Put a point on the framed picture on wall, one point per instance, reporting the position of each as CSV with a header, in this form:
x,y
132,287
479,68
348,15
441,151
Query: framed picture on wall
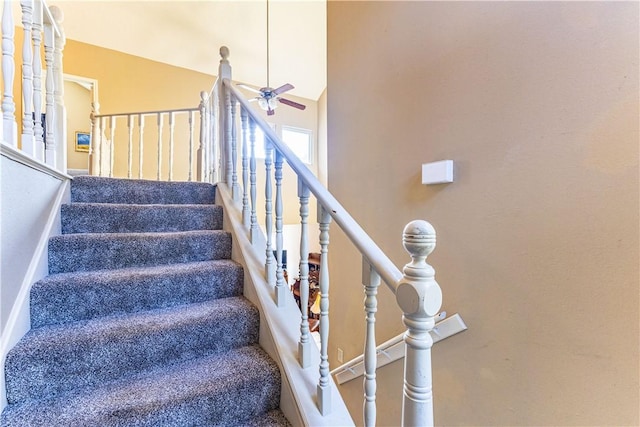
x,y
83,140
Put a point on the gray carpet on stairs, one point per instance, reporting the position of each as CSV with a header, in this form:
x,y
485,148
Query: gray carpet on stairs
x,y
91,189
130,218
109,251
67,297
141,321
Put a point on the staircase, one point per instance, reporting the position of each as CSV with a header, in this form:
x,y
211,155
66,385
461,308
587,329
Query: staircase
x,y
142,319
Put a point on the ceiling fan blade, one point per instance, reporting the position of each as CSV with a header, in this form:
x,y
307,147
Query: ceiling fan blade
x,y
249,88
282,89
292,103
270,112
254,99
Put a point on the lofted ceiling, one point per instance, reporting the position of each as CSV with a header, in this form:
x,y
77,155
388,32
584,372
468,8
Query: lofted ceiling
x,y
189,33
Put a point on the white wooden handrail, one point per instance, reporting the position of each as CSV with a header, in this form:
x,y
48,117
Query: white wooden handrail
x,y
389,273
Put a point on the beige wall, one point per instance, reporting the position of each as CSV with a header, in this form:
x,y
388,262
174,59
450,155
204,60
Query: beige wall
x,y
129,83
77,100
537,103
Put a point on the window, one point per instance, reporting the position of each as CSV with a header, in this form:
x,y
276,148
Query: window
x,y
298,140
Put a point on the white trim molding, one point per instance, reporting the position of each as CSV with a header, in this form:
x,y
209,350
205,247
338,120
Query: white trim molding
x,y
393,349
16,155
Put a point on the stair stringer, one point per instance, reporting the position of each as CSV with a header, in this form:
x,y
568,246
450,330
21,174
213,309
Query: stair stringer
x,y
279,328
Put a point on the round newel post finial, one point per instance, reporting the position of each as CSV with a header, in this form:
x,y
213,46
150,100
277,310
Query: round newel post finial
x,y
419,293
224,53
419,239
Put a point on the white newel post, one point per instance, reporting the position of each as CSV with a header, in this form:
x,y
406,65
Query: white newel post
x,y
9,126
224,72
420,298
60,129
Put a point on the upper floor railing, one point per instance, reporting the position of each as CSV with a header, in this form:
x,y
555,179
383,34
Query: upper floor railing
x,y
40,130
417,293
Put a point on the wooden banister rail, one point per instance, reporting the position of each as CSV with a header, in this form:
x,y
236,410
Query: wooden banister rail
x,y
417,293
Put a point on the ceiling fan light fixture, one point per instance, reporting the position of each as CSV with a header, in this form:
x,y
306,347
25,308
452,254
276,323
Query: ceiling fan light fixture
x,y
263,103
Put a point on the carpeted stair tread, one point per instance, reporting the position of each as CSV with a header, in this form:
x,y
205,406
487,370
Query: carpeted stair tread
x,y
141,321
209,391
92,189
137,218
68,297
98,251
273,418
58,358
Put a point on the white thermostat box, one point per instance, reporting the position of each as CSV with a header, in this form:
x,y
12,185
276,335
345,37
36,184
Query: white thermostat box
x,y
437,172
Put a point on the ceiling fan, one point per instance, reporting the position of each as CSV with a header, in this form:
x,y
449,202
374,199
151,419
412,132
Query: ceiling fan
x,y
269,97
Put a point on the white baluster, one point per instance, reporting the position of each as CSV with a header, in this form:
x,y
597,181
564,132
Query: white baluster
x,y
371,281
172,118
253,230
281,290
60,128
269,266
160,124
246,214
36,35
112,134
235,189
206,150
130,151
228,139
9,126
103,146
94,149
201,165
50,141
420,298
28,141
190,177
140,144
304,346
324,388
212,138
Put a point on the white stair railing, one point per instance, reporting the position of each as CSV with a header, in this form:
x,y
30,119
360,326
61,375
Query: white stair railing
x,y
175,137
417,292
42,136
